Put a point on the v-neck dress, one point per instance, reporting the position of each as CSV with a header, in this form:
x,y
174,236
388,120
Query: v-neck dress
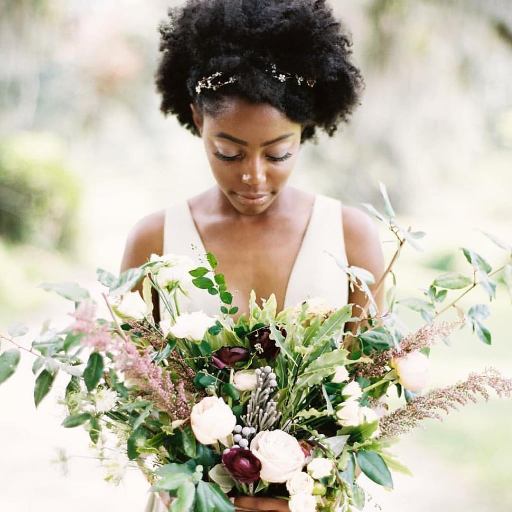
x,y
315,272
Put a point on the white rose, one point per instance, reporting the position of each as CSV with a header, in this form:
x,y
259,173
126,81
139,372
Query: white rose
x,y
105,400
352,391
341,375
245,380
166,325
320,467
212,420
349,414
279,453
300,483
132,305
302,503
368,415
175,269
192,326
412,370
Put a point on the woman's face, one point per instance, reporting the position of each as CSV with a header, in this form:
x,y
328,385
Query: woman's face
x,y
252,150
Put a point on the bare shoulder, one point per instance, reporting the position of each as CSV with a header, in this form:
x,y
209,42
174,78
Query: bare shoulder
x,y
145,238
362,241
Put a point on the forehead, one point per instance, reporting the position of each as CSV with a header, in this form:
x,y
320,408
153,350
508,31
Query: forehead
x,y
252,122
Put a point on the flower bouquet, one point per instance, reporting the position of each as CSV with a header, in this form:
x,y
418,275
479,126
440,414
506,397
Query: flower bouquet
x,y
286,404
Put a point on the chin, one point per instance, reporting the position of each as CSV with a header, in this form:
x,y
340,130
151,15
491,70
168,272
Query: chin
x,y
250,206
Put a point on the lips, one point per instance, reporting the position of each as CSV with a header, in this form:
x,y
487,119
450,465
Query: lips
x,y
248,195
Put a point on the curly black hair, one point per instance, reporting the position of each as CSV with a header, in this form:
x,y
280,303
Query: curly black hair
x,y
244,38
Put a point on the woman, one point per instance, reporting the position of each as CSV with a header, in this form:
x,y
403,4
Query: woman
x,y
256,79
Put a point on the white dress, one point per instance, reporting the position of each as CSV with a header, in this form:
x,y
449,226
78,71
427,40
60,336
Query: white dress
x,y
315,272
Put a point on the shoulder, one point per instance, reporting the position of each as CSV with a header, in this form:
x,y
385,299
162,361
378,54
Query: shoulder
x,y
144,238
362,241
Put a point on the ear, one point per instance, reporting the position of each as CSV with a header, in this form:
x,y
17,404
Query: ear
x,y
197,117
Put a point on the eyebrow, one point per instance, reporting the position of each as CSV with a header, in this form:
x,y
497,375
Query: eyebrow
x,y
226,136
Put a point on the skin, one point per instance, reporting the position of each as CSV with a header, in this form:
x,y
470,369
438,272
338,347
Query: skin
x,y
256,245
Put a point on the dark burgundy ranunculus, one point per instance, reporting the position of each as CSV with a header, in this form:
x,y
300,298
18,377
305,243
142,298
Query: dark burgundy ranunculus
x,y
243,465
226,357
264,346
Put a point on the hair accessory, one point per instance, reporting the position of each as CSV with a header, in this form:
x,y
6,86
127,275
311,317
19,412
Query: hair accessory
x,y
215,81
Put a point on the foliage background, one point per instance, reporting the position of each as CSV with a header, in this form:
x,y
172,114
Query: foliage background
x,y
435,125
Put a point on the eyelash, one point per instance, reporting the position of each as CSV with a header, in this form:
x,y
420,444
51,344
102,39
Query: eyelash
x,y
225,158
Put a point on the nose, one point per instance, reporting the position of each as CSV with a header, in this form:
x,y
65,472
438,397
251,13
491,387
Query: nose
x,y
254,173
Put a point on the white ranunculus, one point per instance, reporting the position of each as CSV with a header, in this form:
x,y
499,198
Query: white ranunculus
x,y
300,483
175,269
166,325
192,326
212,420
341,375
105,400
132,305
368,415
349,414
412,370
302,503
352,391
245,380
320,467
280,455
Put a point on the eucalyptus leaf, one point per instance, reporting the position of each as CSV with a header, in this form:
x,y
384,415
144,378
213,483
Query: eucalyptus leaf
x,y
171,476
9,361
221,476
374,212
70,291
336,444
358,497
477,261
106,278
453,281
44,382
17,330
374,467
387,203
126,281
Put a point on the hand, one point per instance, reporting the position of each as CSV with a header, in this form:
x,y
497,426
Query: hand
x,y
255,504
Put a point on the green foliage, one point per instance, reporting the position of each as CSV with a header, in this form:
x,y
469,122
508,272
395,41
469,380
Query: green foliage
x,y
76,419
39,196
93,370
8,363
374,467
43,385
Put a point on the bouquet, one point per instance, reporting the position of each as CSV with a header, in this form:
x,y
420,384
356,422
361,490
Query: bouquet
x,y
285,404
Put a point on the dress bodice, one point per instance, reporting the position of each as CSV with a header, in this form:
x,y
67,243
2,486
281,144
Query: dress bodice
x,y
315,272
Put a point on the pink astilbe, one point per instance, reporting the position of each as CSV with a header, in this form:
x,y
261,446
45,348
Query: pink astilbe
x,y
444,400
154,382
97,336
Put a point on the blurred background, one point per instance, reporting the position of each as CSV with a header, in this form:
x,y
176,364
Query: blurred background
x,y
85,152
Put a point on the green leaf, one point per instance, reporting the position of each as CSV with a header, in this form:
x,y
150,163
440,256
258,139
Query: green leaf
x,y
188,442
185,498
16,330
70,291
336,444
135,441
73,386
203,283
374,467
37,365
220,279
95,429
8,363
482,332
172,476
76,419
71,340
203,380
199,272
487,284
322,367
479,312
453,281
333,325
221,476
211,260
275,335
93,370
210,498
476,260
374,212
213,291
127,281
500,243
43,385
233,310
226,297
378,339
358,496
231,391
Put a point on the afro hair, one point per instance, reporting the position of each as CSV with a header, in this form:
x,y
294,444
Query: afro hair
x,y
245,38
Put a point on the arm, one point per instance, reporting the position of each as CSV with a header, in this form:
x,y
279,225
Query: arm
x,y
144,239
364,249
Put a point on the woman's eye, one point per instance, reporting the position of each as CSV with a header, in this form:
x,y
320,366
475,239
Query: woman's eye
x,y
227,158
279,158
